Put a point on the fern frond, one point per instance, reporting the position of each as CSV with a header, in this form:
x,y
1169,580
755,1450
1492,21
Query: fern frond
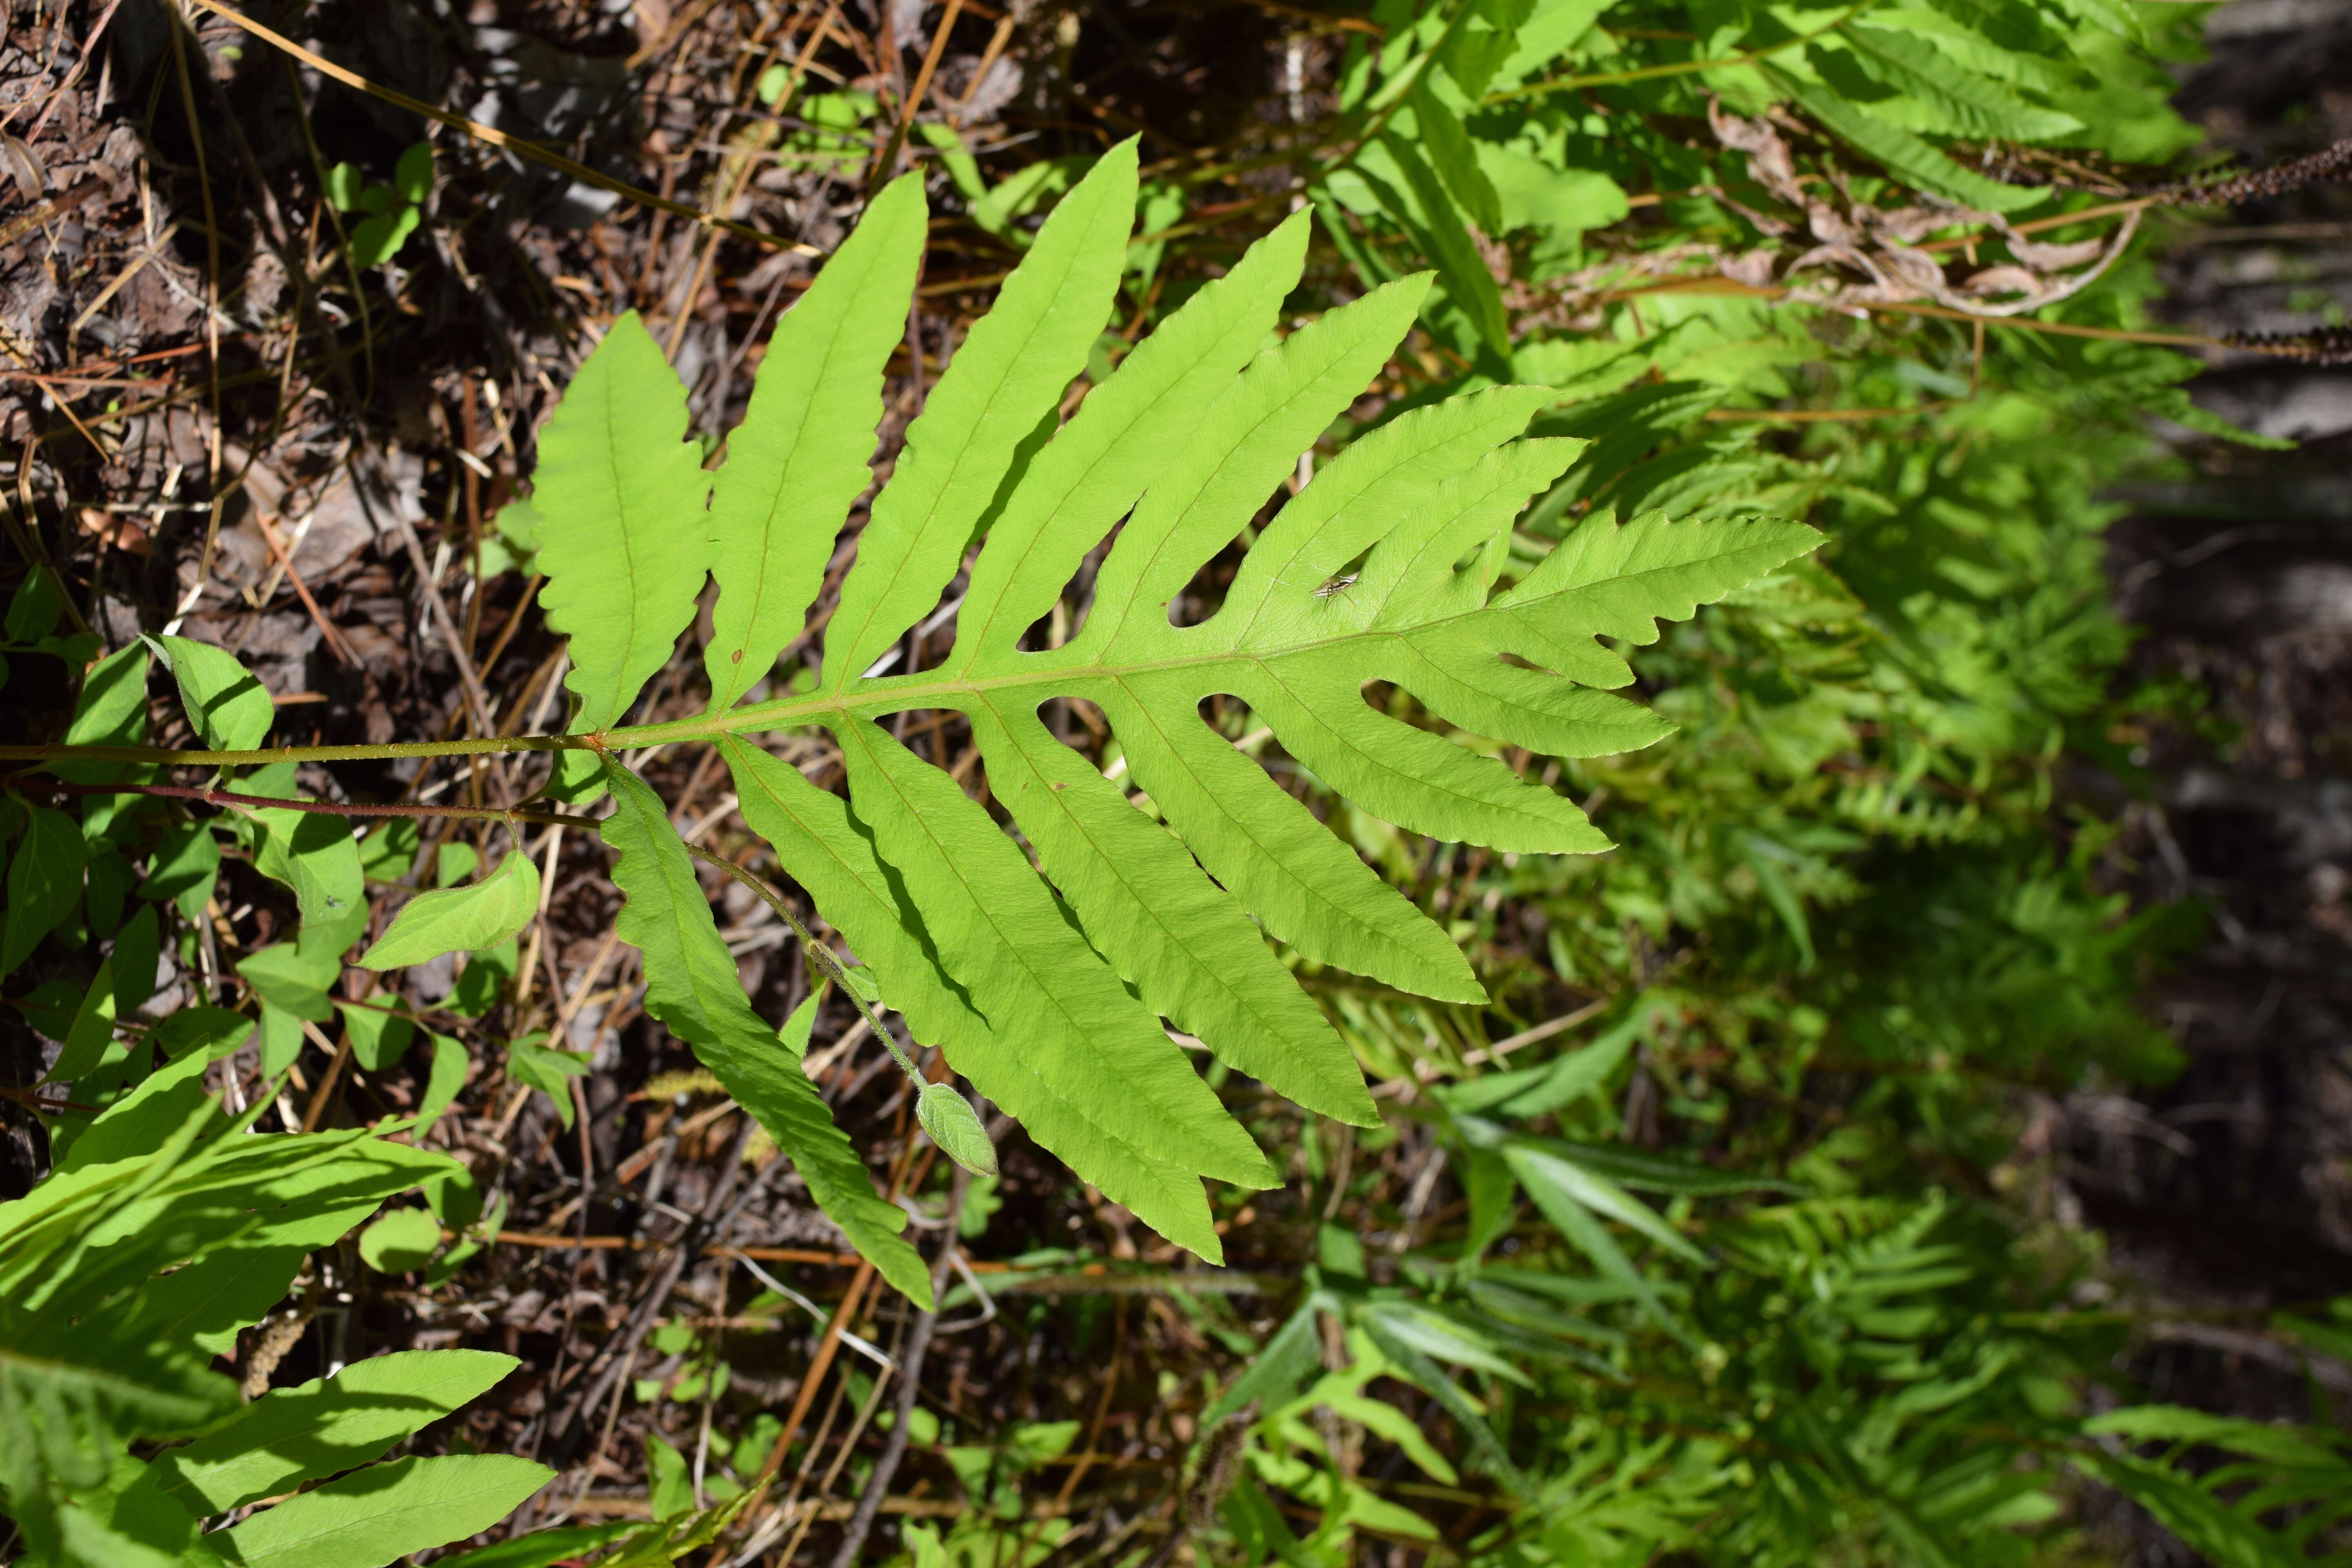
x,y
1049,992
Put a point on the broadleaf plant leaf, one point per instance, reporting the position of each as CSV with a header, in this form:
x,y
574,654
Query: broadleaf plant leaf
x,y
227,705
317,1428
1051,993
481,914
380,1514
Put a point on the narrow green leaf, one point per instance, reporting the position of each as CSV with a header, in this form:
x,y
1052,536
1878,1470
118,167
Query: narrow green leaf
x,y
691,986
801,456
1604,580
1182,941
460,920
1246,444
1446,237
623,538
1427,1376
832,854
1008,373
1580,1072
228,706
1405,773
1127,433
542,1548
378,1515
1967,105
1904,156
1454,159
2205,1522
290,1436
1556,1166
1281,1365
1441,1337
1258,839
1561,1206
1000,934
1387,480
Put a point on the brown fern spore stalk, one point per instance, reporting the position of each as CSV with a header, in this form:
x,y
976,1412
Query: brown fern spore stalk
x,y
2329,165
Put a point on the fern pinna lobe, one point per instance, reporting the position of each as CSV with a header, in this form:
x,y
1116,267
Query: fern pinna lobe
x,y
1048,990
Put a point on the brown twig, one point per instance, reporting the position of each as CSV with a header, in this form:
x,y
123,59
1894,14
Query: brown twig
x,y
334,638
499,139
886,164
819,1365
910,1373
640,1244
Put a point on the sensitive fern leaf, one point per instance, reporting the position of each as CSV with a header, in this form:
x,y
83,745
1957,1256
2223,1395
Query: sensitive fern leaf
x,y
625,540
1049,991
799,457
692,987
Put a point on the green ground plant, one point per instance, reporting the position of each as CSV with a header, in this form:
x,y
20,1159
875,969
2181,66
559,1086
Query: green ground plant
x,y
1610,266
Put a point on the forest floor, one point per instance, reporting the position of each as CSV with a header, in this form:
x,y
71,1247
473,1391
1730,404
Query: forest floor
x,y
327,512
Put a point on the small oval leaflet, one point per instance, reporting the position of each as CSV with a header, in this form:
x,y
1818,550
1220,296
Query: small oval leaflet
x,y
955,1127
454,919
857,979
400,1240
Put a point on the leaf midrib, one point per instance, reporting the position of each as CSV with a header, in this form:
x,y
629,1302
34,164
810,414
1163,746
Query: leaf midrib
x,y
892,694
